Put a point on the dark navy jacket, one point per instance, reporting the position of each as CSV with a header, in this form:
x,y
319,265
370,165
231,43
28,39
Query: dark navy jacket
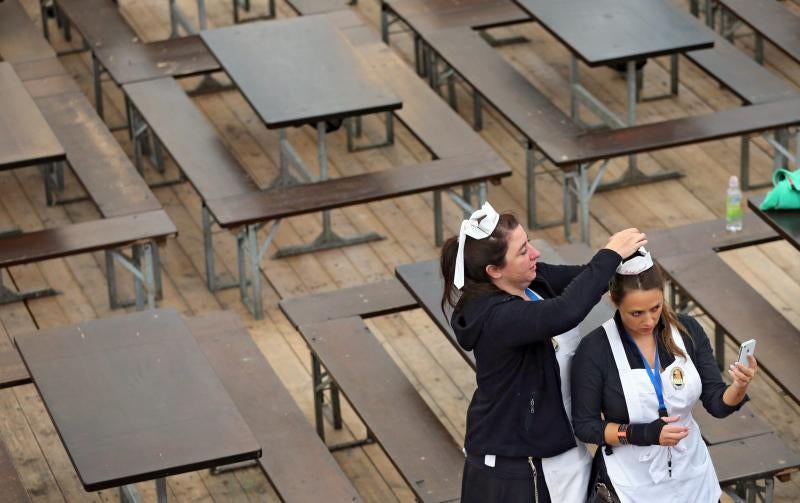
x,y
517,409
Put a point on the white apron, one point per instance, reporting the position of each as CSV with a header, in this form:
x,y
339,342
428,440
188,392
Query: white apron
x,y
567,475
640,473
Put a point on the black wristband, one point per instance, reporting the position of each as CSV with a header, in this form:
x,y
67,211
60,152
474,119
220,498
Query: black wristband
x,y
645,434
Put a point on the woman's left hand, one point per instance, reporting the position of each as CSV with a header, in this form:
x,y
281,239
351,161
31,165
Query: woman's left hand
x,y
741,374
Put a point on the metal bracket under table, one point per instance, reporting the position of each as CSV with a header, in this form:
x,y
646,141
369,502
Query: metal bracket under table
x,y
129,493
8,296
327,238
579,95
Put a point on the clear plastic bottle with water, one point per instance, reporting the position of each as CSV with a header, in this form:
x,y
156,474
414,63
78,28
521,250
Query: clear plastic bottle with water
x,y
733,208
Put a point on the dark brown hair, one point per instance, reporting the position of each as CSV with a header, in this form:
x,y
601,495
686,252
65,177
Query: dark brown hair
x,y
651,279
478,253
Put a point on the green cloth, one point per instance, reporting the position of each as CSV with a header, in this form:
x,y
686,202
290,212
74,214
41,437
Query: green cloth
x,y
786,194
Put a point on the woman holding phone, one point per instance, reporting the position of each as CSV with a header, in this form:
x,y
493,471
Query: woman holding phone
x,y
635,381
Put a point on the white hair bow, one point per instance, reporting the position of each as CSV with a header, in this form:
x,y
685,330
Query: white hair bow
x,y
480,225
637,263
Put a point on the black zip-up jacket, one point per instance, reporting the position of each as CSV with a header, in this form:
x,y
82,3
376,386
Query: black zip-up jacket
x,y
517,409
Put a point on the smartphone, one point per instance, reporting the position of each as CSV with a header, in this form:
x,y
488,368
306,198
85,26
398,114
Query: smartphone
x,y
747,348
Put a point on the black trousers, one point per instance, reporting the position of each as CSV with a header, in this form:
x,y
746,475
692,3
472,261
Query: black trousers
x,y
480,484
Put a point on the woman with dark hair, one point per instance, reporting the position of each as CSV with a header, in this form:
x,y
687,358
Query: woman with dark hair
x,y
635,381
520,317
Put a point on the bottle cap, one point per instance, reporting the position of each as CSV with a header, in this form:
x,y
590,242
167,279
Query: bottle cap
x,y
733,181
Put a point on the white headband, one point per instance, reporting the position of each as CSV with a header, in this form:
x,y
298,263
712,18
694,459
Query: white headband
x,y
636,264
480,225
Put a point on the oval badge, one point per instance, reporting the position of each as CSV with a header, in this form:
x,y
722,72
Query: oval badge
x,y
677,378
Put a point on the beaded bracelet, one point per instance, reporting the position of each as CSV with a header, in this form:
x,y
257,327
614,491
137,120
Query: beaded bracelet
x,y
622,434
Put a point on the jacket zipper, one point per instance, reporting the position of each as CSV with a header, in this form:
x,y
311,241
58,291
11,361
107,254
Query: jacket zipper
x,y
535,480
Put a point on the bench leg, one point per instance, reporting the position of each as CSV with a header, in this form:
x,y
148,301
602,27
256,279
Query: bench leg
x,y
8,296
433,71
477,112
782,156
353,130
759,49
336,406
44,17
212,281
710,13
719,346
531,163
418,56
452,97
438,224
578,185
97,70
385,22
249,249
316,378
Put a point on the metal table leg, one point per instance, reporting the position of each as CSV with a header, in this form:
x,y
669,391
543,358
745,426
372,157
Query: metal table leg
x,y
634,176
353,130
578,190
327,238
161,490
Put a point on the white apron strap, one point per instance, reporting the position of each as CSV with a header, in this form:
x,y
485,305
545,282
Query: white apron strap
x,y
629,389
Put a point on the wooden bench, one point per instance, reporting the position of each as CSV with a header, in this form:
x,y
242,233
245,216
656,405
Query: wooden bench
x,y
141,231
365,301
753,85
19,39
397,418
117,50
294,460
13,490
771,21
567,145
425,16
740,464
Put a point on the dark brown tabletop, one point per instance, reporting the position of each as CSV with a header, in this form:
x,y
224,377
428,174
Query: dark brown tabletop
x,y
298,71
133,398
600,32
20,41
785,222
25,137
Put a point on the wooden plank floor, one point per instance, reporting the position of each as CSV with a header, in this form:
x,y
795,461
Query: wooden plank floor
x,y
441,377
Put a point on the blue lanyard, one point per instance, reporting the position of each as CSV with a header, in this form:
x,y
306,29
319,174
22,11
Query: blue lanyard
x,y
653,374
532,295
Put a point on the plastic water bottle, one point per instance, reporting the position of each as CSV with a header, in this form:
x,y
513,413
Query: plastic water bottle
x,y
733,209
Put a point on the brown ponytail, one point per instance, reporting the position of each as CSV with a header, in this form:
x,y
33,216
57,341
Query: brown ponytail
x,y
478,253
651,279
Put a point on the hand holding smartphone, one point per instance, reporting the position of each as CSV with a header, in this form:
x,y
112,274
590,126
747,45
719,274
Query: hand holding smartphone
x,y
747,348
